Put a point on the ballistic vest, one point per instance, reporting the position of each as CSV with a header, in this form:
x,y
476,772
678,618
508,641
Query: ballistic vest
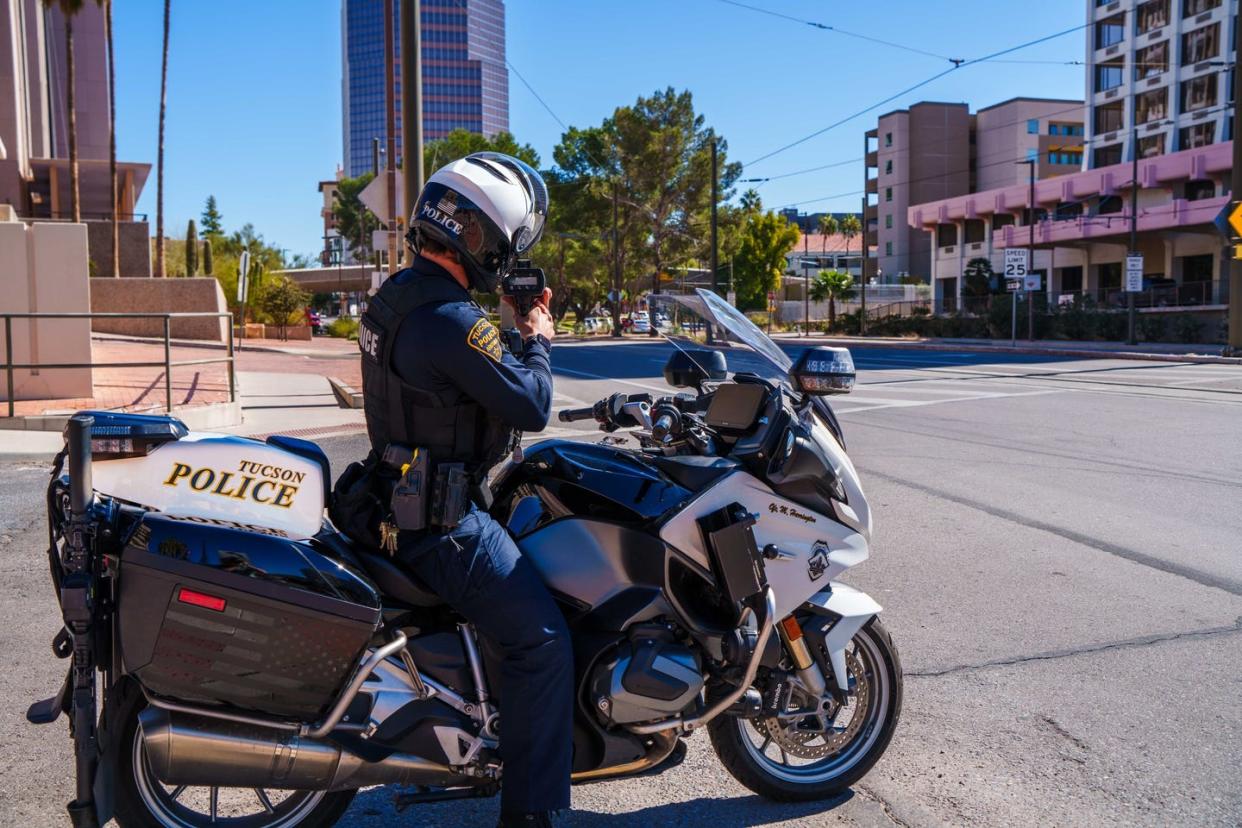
x,y
397,412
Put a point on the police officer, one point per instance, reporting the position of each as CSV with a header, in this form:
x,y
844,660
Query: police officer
x,y
436,376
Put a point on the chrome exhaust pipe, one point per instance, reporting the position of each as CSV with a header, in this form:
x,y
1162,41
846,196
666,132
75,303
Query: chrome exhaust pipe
x,y
184,749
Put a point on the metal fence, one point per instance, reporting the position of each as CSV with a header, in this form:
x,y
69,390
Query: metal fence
x,y
167,364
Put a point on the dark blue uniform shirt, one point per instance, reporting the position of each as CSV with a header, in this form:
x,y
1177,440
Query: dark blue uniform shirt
x,y
451,350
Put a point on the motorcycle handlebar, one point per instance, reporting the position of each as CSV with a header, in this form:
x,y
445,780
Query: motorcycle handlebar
x,y
569,415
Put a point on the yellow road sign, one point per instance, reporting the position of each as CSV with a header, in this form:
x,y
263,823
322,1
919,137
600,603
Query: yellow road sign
x,y
1235,218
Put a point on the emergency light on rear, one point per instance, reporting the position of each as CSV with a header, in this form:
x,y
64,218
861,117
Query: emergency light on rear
x,y
824,370
116,436
201,599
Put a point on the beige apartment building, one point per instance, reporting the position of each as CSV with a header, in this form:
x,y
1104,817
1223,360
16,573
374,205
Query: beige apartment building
x,y
1161,67
934,151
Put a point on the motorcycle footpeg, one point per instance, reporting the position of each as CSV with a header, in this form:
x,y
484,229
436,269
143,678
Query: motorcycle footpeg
x,y
62,644
49,710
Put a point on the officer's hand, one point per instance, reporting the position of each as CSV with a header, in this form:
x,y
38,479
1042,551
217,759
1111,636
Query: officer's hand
x,y
538,321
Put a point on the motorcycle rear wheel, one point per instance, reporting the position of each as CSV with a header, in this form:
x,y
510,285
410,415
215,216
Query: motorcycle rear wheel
x,y
758,759
142,801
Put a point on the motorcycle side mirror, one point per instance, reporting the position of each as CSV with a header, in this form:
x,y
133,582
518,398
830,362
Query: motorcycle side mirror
x,y
690,369
824,370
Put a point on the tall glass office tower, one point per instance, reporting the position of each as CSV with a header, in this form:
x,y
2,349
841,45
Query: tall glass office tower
x,y
465,81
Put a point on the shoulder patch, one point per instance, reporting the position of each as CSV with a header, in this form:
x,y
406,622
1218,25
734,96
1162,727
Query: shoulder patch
x,y
485,339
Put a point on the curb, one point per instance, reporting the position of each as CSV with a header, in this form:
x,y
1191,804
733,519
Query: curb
x,y
346,395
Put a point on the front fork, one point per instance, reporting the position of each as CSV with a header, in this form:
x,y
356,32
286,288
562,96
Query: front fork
x,y
839,611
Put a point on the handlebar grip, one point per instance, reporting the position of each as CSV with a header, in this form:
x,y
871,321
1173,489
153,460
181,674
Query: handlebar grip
x,y
569,415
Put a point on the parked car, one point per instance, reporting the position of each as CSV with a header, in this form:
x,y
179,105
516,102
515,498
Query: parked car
x,y
639,322
315,321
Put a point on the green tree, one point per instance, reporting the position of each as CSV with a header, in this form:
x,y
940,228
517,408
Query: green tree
x,y
159,180
828,226
832,285
459,143
213,222
849,228
766,240
977,277
282,301
208,264
191,249
69,9
353,220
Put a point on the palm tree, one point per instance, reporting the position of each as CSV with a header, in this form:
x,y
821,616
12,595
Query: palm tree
x,y
69,8
850,227
832,285
828,226
116,226
159,187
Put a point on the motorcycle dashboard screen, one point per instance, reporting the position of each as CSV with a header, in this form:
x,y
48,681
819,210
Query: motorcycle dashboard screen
x,y
735,406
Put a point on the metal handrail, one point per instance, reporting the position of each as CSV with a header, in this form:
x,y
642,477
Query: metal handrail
x,y
168,363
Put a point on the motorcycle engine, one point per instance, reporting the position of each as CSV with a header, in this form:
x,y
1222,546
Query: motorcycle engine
x,y
649,676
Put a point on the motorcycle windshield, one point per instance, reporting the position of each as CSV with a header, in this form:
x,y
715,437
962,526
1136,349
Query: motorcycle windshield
x,y
687,316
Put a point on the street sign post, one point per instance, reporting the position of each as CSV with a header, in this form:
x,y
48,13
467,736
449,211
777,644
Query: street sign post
x,y
1017,277
243,280
1134,273
1032,281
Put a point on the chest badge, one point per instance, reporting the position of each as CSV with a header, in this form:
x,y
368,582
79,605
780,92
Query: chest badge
x,y
485,339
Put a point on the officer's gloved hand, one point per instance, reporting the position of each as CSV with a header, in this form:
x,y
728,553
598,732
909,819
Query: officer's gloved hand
x,y
538,321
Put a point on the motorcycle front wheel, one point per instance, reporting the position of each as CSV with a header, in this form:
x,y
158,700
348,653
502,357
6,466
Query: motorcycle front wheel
x,y
143,801
819,756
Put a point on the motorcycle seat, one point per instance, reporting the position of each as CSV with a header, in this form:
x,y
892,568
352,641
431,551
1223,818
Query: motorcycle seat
x,y
393,579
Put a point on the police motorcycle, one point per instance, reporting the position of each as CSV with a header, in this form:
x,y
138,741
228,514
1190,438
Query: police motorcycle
x,y
233,660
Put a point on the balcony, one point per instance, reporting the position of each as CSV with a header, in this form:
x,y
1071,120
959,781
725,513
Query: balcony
x,y
873,186
873,159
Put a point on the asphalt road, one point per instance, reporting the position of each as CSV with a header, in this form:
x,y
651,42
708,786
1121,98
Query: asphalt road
x,y
1059,552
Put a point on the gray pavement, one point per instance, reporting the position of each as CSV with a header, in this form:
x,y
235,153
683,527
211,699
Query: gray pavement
x,y
1057,550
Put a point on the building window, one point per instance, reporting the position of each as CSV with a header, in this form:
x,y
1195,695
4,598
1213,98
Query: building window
x,y
1151,61
1109,117
888,167
1107,156
1032,126
1065,158
888,248
1032,154
1199,135
1151,146
1152,106
1111,31
1153,15
1193,7
1109,75
1201,44
1109,205
1199,190
888,222
1198,93
946,235
1000,220
1065,129
1067,210
888,139
973,232
888,193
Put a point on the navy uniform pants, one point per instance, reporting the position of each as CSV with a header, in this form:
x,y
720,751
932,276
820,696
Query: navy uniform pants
x,y
478,570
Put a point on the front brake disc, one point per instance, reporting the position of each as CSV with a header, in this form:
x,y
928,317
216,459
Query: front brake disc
x,y
818,736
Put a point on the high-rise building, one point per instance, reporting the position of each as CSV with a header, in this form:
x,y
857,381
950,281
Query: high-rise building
x,y
465,79
933,151
1158,75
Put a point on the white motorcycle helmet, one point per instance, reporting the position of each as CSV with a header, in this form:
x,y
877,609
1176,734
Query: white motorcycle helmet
x,y
488,207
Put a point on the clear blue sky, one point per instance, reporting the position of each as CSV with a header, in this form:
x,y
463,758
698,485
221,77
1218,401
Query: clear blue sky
x,y
254,101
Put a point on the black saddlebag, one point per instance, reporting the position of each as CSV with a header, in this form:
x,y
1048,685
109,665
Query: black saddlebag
x,y
214,613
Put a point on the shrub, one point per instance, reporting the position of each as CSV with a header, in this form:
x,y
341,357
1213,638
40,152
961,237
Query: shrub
x,y
1152,326
1186,328
343,327
1111,325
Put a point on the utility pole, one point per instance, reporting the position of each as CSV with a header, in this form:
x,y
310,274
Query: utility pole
x,y
375,152
1235,264
715,199
1030,257
616,267
390,100
806,284
862,313
1131,310
411,105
